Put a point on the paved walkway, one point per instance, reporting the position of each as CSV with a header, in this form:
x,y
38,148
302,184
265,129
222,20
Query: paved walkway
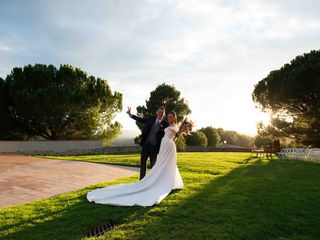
x,y
25,179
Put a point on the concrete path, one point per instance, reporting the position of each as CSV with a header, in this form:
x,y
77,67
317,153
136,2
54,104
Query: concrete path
x,y
25,179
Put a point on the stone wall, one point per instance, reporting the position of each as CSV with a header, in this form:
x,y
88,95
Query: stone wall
x,y
122,149
88,147
215,149
50,147
137,149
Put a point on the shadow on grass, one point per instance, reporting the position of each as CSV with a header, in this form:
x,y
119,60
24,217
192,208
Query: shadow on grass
x,y
274,200
253,159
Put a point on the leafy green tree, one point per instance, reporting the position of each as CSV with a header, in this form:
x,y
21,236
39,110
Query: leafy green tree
x,y
230,137
65,103
2,105
292,95
197,138
235,138
181,143
4,119
245,140
261,141
212,136
137,139
167,96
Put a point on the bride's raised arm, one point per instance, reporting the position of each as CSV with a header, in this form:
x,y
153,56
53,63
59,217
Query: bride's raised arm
x,y
183,129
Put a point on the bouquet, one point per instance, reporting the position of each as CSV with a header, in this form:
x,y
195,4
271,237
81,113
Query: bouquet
x,y
185,127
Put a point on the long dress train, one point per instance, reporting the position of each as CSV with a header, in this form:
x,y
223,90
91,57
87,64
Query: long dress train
x,y
160,181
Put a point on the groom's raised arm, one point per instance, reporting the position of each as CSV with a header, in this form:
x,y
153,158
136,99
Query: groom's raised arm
x,y
139,119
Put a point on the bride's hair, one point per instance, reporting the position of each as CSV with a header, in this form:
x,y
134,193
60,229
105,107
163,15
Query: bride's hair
x,y
174,115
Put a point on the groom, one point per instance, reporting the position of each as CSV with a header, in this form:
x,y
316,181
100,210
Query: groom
x,y
151,136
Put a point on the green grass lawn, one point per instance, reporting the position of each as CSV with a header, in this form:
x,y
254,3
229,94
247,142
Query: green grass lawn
x,y
226,196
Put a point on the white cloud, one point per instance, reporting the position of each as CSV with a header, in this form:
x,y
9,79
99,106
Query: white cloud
x,y
213,51
4,47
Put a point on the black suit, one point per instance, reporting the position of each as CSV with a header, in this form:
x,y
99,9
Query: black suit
x,y
149,150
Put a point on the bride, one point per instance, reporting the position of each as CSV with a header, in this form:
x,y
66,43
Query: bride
x,y
161,180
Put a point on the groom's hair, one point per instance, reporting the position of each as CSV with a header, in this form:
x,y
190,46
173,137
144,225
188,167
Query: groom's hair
x,y
162,108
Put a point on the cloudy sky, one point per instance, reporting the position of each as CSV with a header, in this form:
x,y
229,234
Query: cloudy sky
x,y
212,51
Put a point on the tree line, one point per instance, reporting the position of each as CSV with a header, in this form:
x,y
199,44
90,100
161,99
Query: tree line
x,y
213,137
45,102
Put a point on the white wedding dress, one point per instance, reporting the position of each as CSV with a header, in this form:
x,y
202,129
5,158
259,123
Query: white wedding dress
x,y
160,181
